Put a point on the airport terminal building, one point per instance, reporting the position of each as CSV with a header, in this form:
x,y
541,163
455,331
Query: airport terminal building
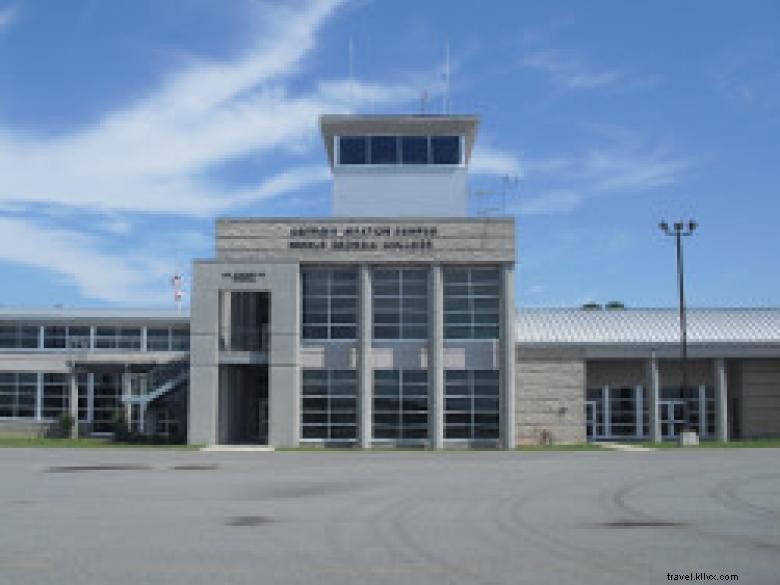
x,y
392,323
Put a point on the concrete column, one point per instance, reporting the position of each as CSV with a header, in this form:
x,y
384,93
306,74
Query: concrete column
x,y
39,396
507,359
721,401
702,410
365,370
144,337
74,404
654,387
90,398
126,388
436,357
639,410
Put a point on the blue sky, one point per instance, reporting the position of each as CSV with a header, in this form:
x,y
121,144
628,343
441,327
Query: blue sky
x,y
127,126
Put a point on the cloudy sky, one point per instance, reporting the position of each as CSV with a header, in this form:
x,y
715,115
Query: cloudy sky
x,y
126,126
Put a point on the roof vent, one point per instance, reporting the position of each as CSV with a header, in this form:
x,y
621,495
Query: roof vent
x,y
590,306
614,306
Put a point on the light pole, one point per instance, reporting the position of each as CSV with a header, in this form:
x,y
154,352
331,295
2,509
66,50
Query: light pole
x,y
680,230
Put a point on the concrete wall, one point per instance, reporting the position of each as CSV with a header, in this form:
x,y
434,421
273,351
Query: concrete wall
x,y
453,240
760,398
550,397
23,429
282,282
400,191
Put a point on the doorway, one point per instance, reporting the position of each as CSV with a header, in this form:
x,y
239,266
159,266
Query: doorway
x,y
243,404
671,415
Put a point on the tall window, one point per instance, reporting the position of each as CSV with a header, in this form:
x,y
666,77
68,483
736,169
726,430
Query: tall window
x,y
401,405
329,405
106,401
471,303
400,303
17,395
471,409
56,395
330,297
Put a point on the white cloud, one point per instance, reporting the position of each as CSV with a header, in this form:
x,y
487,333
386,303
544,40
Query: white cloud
x,y
152,155
568,71
486,160
549,202
8,15
77,257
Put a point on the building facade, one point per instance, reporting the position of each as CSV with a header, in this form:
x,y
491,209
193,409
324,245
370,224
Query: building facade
x,y
392,323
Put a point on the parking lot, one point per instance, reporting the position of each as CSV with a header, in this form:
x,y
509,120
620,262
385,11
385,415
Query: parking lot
x,y
149,516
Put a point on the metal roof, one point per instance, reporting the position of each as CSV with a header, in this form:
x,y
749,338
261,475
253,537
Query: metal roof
x,y
627,326
74,314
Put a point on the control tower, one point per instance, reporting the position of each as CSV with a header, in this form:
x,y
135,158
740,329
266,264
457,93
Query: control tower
x,y
399,165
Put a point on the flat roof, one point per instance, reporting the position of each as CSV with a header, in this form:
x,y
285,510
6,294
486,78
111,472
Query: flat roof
x,y
401,124
93,314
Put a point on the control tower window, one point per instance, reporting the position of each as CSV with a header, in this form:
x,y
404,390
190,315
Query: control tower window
x,y
414,150
384,150
352,150
445,150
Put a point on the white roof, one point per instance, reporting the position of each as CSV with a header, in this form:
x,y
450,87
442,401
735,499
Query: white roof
x,y
77,314
626,326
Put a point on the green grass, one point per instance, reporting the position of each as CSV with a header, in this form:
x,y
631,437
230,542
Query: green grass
x,y
736,444
86,443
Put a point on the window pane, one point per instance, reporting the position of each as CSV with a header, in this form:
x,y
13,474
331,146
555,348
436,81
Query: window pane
x,y
352,150
414,150
445,150
384,150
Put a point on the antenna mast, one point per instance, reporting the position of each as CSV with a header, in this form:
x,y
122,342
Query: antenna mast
x,y
447,78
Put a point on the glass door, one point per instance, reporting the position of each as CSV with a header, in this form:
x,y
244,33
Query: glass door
x,y
590,419
671,414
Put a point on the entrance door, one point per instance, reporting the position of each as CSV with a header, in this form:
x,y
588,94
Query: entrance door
x,y
590,419
671,414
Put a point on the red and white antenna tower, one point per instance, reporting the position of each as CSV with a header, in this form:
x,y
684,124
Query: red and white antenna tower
x,y
176,284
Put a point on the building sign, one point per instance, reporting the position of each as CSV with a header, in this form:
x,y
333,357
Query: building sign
x,y
243,277
356,237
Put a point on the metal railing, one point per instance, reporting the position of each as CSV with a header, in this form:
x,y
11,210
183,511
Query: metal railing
x,y
160,379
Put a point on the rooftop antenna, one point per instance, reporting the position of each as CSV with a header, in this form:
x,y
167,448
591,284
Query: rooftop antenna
x,y
424,97
447,78
352,70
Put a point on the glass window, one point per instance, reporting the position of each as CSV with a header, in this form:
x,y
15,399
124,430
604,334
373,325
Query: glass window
x,y
471,303
401,405
16,336
330,298
18,392
414,150
158,339
106,337
352,150
384,150
471,405
180,339
129,338
329,405
56,395
445,150
54,337
400,303
106,401
79,337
